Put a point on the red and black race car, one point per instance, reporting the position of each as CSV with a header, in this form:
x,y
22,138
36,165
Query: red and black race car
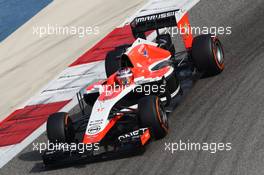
x,y
130,108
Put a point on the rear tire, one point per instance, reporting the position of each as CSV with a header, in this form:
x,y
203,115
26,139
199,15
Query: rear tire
x,y
208,54
60,128
152,115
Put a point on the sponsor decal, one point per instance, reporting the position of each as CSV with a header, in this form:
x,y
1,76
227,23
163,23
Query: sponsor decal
x,y
94,129
143,51
155,17
133,134
96,122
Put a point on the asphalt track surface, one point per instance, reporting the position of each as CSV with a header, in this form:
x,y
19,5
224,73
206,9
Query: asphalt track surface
x,y
225,108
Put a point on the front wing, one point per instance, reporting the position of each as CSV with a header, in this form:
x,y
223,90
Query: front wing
x,y
131,146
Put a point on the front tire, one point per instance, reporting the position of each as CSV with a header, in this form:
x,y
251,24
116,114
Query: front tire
x,y
152,115
208,54
60,128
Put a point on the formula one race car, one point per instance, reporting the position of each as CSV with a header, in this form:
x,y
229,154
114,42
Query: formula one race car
x,y
130,108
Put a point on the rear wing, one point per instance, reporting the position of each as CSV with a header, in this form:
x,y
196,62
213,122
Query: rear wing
x,y
142,24
158,14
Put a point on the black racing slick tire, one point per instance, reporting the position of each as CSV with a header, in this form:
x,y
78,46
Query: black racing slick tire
x,y
113,60
60,128
208,54
152,115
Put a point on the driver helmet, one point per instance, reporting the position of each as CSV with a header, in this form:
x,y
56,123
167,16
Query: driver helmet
x,y
124,76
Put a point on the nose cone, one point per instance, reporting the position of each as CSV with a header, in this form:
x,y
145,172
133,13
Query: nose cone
x,y
95,134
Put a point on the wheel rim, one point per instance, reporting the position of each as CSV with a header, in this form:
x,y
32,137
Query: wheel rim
x,y
219,53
